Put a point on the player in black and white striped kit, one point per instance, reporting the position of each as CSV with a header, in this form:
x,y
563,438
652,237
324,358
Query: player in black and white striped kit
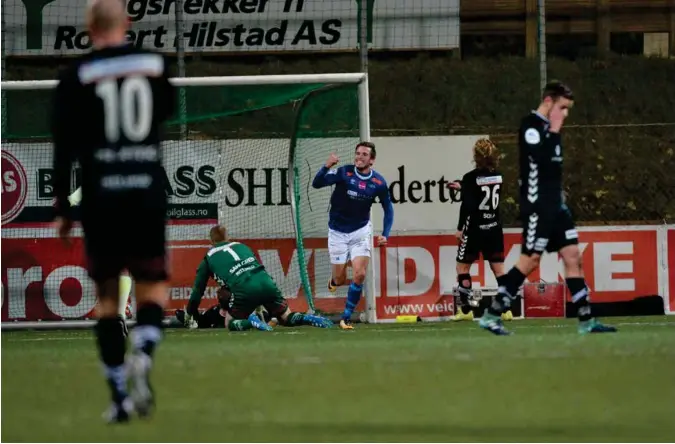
x,y
547,221
109,107
479,229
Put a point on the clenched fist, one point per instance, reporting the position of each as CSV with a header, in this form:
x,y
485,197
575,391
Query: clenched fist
x,y
332,161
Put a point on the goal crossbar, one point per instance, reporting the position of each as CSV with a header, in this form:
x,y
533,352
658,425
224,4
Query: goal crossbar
x,y
296,79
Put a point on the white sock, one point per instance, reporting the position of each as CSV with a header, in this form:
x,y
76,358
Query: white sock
x,y
125,290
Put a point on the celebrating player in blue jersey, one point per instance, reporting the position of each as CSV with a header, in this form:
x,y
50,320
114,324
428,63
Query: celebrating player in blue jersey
x,y
349,229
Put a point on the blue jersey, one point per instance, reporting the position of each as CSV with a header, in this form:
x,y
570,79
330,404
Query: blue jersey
x,y
353,197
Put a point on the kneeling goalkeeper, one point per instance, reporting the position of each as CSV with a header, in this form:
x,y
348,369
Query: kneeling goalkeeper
x,y
214,317
234,266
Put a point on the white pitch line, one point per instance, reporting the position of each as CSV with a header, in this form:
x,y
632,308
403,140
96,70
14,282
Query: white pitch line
x,y
377,330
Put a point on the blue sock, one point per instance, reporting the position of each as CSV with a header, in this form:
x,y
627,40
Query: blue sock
x,y
353,298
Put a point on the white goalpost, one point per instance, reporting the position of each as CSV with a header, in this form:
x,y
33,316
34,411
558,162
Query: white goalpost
x,y
253,144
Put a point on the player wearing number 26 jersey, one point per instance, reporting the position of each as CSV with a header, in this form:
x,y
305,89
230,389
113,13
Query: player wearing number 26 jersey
x,y
479,219
109,107
479,229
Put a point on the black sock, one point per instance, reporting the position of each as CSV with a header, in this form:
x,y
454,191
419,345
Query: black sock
x,y
509,284
112,347
579,292
148,331
464,290
123,324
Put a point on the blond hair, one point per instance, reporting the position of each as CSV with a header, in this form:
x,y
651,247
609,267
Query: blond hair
x,y
218,233
486,154
106,15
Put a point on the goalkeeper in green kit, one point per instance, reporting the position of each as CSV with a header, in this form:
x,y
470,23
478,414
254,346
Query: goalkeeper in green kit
x,y
234,266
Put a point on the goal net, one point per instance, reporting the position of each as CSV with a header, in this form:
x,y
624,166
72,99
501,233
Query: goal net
x,y
241,151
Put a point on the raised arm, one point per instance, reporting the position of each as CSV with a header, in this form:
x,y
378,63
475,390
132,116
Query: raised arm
x,y
198,288
327,177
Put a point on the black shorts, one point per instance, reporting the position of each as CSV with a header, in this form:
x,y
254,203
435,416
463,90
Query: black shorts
x,y
489,242
211,318
136,243
548,231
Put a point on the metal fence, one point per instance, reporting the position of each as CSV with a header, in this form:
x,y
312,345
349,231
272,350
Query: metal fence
x,y
435,67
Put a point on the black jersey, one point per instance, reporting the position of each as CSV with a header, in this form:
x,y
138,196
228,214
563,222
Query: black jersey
x,y
109,107
480,199
541,160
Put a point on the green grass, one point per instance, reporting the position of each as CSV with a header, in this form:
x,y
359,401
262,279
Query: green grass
x,y
423,382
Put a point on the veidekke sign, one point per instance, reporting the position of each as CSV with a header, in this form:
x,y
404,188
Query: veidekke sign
x,y
56,27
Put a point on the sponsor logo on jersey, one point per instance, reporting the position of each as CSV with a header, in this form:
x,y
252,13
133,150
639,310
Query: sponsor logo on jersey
x,y
532,136
489,180
488,226
148,65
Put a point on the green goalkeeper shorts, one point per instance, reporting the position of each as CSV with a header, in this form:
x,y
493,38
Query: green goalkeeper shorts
x,y
258,289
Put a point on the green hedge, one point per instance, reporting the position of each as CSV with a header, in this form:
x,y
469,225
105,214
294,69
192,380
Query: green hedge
x,y
619,141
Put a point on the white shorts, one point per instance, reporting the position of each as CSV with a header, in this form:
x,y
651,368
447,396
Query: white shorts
x,y
345,246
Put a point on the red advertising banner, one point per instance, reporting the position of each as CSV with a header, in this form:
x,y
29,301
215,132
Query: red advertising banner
x,y
43,279
419,271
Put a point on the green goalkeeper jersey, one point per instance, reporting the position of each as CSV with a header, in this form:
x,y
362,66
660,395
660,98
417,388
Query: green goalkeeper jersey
x,y
230,264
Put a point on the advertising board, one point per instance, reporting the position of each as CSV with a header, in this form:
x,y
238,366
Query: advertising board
x,y
57,27
43,279
248,181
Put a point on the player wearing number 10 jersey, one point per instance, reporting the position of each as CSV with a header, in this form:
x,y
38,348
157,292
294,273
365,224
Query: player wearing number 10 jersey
x,y
479,229
109,106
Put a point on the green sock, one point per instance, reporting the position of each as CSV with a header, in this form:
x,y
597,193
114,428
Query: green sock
x,y
295,319
239,325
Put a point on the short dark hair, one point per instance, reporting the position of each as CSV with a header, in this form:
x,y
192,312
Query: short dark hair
x,y
370,145
557,89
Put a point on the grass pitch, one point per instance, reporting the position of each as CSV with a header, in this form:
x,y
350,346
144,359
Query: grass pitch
x,y
403,383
